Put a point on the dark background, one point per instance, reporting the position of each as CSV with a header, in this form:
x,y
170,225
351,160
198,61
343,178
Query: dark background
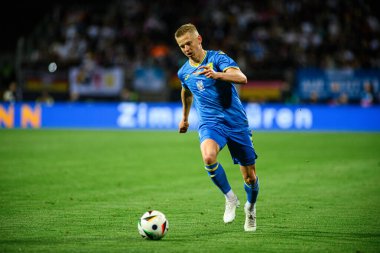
x,y
19,18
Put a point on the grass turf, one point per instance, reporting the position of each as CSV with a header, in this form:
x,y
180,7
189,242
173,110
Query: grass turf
x,y
83,191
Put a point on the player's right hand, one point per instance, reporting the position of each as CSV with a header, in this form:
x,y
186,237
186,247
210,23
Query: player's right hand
x,y
183,126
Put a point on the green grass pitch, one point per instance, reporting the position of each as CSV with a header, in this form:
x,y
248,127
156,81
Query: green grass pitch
x,y
83,191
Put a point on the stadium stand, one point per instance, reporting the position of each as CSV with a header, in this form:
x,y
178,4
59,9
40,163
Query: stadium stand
x,y
270,39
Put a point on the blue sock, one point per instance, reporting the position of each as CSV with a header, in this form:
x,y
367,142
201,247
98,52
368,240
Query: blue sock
x,y
218,176
252,191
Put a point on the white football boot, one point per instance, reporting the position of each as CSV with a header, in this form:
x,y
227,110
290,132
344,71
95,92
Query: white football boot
x,y
250,218
229,212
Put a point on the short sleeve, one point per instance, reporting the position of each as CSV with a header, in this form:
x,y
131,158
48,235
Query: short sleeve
x,y
224,62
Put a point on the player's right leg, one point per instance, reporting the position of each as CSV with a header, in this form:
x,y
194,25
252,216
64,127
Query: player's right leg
x,y
210,150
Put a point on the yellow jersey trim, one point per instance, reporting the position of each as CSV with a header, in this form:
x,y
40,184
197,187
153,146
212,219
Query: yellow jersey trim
x,y
197,65
230,67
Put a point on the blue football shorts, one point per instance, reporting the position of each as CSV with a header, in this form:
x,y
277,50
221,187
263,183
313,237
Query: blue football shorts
x,y
239,143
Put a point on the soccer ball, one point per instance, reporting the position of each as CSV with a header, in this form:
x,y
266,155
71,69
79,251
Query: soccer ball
x,y
153,225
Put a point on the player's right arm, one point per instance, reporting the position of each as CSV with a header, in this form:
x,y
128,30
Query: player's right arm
x,y
187,100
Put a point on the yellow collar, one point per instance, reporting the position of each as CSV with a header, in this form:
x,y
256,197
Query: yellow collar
x,y
196,65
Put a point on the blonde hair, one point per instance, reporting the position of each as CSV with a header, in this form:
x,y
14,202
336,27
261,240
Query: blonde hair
x,y
186,28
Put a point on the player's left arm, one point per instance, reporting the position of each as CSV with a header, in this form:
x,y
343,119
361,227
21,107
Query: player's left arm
x,y
232,75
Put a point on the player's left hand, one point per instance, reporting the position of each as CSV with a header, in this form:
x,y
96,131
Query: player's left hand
x,y
208,72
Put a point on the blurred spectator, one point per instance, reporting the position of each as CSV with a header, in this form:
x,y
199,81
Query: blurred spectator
x,y
45,98
343,99
74,96
7,73
336,95
87,68
367,96
127,95
313,98
85,76
287,95
10,95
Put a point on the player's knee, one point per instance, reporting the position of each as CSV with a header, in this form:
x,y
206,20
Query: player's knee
x,y
209,159
249,180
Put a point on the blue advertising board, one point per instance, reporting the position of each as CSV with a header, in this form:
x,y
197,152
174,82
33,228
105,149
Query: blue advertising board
x,y
166,116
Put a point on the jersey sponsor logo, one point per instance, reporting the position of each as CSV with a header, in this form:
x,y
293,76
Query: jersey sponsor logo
x,y
200,85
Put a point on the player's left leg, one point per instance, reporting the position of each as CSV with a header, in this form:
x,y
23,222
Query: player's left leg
x,y
251,182
251,186
243,153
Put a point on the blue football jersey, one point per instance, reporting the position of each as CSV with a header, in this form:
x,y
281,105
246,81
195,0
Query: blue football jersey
x,y
217,102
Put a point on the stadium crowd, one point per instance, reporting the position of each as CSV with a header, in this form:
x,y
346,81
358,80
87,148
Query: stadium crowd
x,y
269,39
